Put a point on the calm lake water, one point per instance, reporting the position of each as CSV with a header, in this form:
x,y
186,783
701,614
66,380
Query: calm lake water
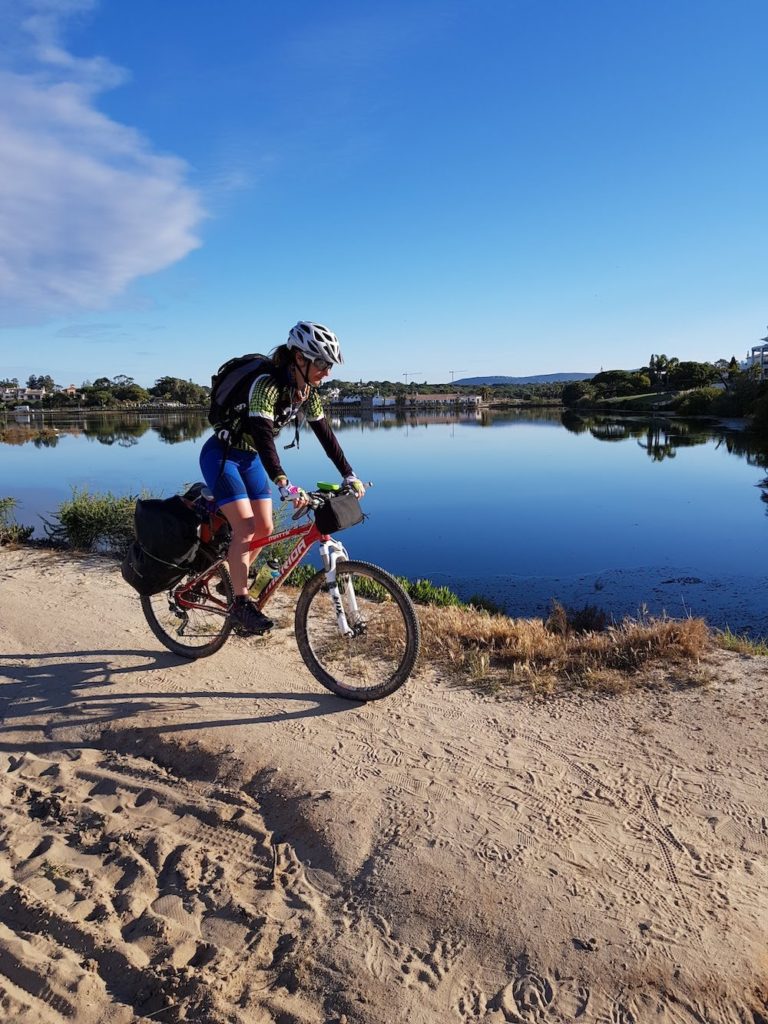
x,y
477,503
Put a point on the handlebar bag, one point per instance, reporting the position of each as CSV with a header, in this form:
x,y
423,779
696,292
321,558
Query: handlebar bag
x,y
338,513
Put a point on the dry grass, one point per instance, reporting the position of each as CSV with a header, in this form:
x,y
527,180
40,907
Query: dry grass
x,y
495,651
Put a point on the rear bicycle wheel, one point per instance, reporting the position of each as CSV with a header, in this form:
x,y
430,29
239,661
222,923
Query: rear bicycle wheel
x,y
378,654
192,620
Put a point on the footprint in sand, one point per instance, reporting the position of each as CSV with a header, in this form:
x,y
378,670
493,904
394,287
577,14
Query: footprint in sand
x,y
430,967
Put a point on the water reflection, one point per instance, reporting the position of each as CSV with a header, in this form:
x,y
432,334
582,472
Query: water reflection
x,y
662,437
753,450
19,434
122,429
583,492
375,420
387,419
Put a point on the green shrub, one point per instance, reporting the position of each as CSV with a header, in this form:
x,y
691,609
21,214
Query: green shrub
x,y
741,398
760,416
93,522
10,531
421,591
579,392
365,587
425,592
741,643
698,402
299,576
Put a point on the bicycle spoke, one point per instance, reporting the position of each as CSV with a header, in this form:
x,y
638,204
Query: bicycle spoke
x,y
192,621
378,651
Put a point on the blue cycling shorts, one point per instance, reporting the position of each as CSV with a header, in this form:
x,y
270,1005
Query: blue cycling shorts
x,y
241,476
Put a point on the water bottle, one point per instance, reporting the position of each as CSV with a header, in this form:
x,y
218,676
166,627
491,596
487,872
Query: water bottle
x,y
274,567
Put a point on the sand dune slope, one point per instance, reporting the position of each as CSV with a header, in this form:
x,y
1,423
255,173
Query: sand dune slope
x,y
224,841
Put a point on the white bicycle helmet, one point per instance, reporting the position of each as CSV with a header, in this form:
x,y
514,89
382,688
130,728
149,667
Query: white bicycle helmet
x,y
315,342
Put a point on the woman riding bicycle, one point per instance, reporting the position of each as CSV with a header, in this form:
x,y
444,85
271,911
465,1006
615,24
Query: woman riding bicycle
x,y
239,476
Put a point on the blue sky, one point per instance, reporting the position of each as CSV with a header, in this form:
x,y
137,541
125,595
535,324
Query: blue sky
x,y
495,186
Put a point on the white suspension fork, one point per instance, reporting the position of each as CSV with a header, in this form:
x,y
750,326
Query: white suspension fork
x,y
330,552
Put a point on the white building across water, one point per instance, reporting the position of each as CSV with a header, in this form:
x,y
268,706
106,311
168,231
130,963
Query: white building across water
x,y
443,401
22,394
758,356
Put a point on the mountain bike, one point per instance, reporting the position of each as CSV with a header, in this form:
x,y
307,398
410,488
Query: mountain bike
x,y
355,625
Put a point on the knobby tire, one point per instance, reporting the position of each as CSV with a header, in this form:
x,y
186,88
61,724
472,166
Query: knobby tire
x,y
388,647
169,628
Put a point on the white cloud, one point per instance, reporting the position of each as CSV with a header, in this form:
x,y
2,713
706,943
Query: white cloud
x,y
97,334
86,205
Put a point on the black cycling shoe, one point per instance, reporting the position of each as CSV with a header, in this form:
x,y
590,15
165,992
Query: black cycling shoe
x,y
248,620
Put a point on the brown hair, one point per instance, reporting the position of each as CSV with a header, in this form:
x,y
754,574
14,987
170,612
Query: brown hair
x,y
282,357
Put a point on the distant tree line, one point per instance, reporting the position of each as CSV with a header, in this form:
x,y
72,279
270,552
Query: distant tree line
x,y
686,387
106,392
490,393
111,392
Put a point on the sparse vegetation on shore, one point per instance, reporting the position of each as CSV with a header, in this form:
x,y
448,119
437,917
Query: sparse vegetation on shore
x,y
475,639
683,388
496,652
741,644
103,522
12,532
93,522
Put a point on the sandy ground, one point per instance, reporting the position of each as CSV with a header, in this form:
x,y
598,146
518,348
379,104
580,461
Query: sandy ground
x,y
225,841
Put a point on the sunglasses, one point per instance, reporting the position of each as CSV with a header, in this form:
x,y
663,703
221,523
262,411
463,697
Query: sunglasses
x,y
321,364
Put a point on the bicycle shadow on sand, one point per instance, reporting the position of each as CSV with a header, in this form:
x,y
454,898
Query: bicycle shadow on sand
x,y
60,691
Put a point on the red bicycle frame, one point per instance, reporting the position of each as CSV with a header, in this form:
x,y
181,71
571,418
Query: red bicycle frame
x,y
308,534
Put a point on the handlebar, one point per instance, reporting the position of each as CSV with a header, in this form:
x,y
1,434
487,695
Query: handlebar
x,y
316,499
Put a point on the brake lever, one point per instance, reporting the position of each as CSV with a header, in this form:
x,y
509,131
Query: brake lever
x,y
313,504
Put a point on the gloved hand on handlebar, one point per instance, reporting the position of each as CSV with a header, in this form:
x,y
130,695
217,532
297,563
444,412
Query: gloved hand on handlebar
x,y
289,492
356,485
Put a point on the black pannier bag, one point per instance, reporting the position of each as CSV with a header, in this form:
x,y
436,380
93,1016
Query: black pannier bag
x,y
167,541
168,529
146,574
211,552
338,513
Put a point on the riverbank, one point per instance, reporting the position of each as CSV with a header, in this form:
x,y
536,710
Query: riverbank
x,y
76,412
225,841
725,600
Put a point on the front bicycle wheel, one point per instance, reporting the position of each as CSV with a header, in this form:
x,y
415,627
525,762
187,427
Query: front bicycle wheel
x,y
380,648
191,619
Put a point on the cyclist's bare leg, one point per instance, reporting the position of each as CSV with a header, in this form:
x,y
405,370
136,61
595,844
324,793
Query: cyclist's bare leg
x,y
250,520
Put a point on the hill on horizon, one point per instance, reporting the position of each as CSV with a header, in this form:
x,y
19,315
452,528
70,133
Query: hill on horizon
x,y
540,378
